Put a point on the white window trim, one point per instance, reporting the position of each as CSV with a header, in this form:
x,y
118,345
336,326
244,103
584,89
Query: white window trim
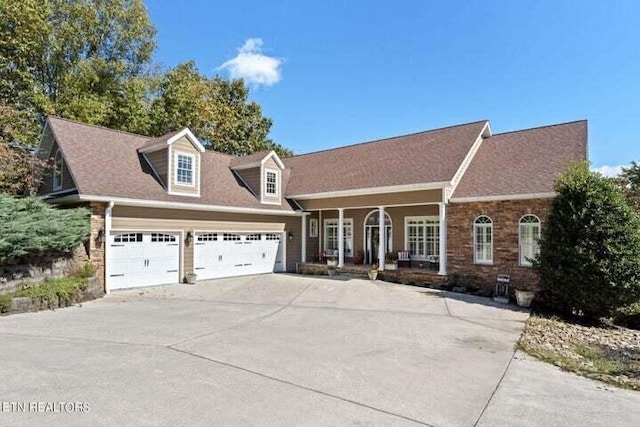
x,y
176,155
58,171
475,259
425,218
264,187
523,262
313,227
346,221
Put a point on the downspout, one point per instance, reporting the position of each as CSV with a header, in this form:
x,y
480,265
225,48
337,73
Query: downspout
x,y
107,235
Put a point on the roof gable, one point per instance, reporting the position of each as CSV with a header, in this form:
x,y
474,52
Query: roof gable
x,y
431,157
255,160
525,162
163,141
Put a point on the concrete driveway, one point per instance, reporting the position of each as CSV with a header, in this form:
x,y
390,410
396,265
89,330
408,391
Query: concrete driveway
x,y
289,350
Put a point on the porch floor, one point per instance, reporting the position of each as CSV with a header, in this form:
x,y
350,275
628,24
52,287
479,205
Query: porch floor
x,y
407,275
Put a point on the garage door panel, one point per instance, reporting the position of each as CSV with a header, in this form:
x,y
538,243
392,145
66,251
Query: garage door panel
x,y
235,254
143,259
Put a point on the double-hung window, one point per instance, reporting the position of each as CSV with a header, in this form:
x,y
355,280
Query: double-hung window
x,y
331,235
271,183
529,235
422,236
184,169
483,240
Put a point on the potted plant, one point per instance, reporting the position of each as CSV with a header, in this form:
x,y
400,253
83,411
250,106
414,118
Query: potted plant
x,y
358,259
191,278
373,274
391,261
524,298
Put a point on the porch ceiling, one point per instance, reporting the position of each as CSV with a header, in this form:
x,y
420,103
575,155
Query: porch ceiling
x,y
405,198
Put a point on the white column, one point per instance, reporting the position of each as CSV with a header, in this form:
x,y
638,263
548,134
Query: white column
x,y
303,239
382,238
443,239
340,237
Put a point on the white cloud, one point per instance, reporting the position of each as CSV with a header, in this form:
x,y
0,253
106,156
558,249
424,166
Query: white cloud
x,y
253,66
609,171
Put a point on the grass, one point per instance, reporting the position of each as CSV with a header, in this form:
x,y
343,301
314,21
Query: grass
x,y
609,354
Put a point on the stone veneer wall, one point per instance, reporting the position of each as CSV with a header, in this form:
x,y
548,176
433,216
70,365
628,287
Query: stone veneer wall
x,y
96,250
506,217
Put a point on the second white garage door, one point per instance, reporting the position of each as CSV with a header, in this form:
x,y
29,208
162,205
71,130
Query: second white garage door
x,y
236,254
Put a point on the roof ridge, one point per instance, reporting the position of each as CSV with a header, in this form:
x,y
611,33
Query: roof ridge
x,y
540,127
102,127
386,139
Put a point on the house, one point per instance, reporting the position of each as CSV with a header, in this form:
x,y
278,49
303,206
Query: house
x,y
162,208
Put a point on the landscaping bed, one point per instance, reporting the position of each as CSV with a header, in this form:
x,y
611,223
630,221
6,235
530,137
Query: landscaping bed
x,y
51,294
603,352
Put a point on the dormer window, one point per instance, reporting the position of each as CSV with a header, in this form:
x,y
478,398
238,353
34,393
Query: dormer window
x,y
184,169
271,183
57,171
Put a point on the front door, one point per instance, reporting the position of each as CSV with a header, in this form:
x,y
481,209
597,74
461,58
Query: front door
x,y
372,243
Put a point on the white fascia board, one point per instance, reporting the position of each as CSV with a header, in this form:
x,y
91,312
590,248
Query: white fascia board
x,y
374,190
484,133
185,132
190,136
503,197
276,158
180,205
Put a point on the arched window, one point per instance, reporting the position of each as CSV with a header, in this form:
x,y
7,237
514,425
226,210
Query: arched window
x,y
57,171
529,236
483,240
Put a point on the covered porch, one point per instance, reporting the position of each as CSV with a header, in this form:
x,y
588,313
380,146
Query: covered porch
x,y
406,237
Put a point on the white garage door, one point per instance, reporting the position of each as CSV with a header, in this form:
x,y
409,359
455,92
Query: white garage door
x,y
142,259
235,254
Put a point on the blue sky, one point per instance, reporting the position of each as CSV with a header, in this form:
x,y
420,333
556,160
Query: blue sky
x,y
331,73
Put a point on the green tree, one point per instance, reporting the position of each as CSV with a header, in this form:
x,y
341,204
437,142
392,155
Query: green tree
x,y
20,171
89,60
30,227
71,58
589,259
216,110
629,182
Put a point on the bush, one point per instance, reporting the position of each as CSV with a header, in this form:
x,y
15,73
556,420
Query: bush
x,y
589,260
30,227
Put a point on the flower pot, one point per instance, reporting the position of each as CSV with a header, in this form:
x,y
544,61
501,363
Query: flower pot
x,y
332,262
191,278
373,275
391,266
524,298
331,271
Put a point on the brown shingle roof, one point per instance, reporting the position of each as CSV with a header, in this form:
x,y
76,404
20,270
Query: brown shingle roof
x,y
248,159
431,156
164,138
105,162
523,162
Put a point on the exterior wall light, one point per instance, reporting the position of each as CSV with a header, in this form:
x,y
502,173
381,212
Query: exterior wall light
x,y
189,239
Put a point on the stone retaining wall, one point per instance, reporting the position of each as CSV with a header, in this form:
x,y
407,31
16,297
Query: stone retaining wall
x,y
52,266
24,304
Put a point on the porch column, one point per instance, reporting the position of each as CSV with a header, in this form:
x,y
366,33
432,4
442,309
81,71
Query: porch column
x,y
340,237
303,239
382,239
443,239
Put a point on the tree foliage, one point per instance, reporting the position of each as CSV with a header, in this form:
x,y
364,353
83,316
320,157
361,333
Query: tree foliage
x,y
71,58
590,250
30,227
216,110
629,182
89,60
20,170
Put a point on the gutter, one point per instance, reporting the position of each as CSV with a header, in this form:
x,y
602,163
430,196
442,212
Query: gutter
x,y
105,240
